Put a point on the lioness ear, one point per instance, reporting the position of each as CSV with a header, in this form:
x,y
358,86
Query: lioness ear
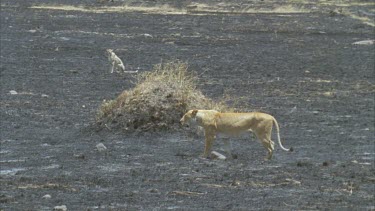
x,y
194,113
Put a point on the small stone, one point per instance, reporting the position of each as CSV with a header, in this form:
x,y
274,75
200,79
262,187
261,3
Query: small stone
x,y
101,148
325,163
13,92
216,155
79,156
44,96
170,43
294,182
148,35
60,208
364,42
235,183
293,110
47,196
153,190
329,94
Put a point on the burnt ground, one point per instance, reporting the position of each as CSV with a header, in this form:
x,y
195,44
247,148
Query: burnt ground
x,y
302,68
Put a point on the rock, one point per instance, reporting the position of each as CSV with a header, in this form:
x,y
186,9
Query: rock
x,y
364,42
315,112
44,96
304,163
148,35
235,183
73,71
216,155
292,181
101,148
293,110
79,156
329,94
47,196
153,190
13,92
60,208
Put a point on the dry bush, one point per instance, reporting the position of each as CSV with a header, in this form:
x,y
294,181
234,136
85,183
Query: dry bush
x,y
158,100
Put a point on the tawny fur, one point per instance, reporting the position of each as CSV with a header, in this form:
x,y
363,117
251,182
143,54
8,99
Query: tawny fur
x,y
233,124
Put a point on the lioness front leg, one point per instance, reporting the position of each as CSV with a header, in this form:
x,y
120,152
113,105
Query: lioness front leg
x,y
228,148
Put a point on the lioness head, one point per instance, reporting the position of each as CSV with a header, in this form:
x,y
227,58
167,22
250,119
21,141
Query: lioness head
x,y
190,115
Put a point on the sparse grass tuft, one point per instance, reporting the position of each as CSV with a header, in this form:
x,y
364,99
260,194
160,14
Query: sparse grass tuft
x,y
158,100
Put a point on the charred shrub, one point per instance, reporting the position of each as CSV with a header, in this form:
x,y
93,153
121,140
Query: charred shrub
x,y
158,100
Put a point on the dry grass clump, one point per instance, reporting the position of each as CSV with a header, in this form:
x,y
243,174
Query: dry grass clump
x,y
158,100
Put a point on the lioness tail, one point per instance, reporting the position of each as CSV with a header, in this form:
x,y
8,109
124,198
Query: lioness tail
x,y
278,137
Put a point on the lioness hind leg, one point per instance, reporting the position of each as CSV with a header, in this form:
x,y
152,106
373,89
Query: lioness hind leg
x,y
228,148
263,132
208,145
268,144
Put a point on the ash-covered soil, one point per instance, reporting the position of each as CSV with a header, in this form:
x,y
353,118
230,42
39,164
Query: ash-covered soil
x,y
302,68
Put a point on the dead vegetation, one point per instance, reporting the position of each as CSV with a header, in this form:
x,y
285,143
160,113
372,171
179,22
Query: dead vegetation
x,y
350,8
158,100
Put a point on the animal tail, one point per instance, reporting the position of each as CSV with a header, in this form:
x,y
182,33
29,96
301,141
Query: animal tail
x,y
278,137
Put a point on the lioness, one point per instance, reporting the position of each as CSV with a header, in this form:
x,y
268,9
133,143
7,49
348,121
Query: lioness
x,y
233,124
